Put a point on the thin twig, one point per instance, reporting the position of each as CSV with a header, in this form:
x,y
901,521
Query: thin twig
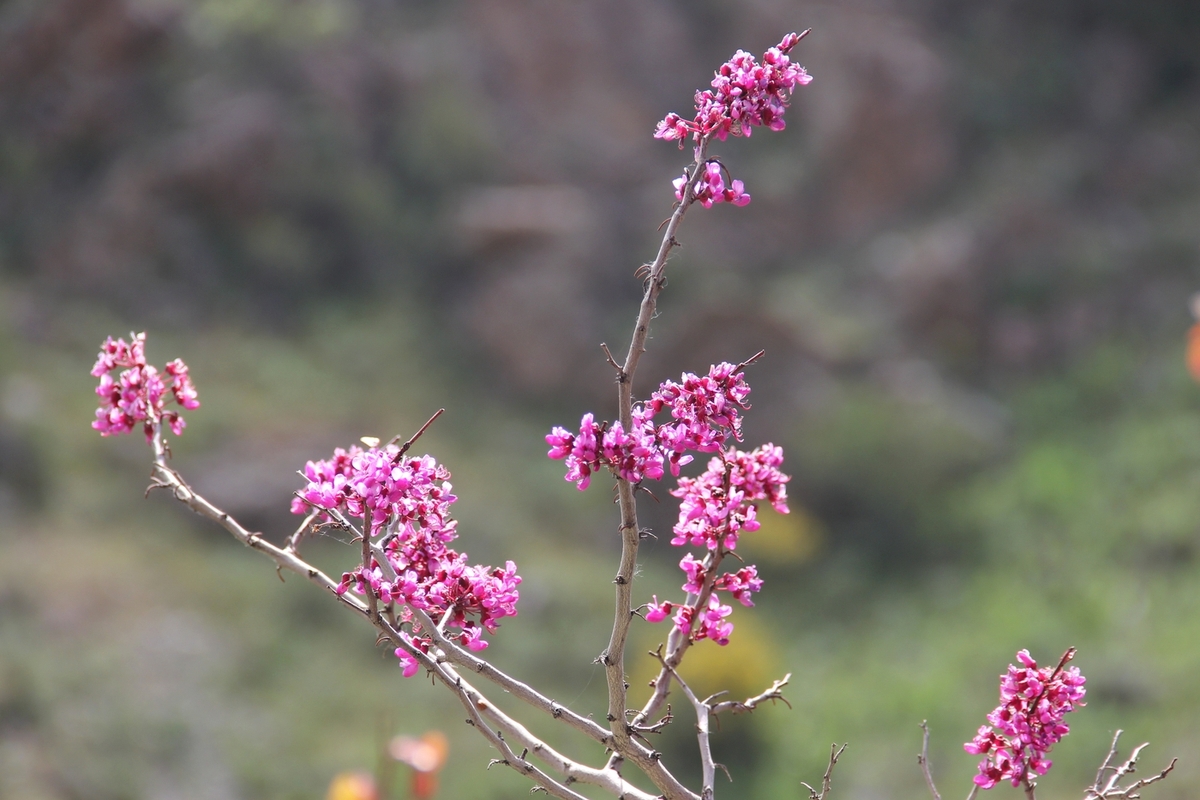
x,y
707,766
1107,763
164,477
646,759
1112,790
923,760
415,436
608,356
751,703
293,542
835,753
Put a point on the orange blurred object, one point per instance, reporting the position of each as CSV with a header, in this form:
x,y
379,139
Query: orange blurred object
x,y
352,786
426,756
1193,351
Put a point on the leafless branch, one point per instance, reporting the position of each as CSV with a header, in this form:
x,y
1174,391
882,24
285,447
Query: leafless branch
x,y
708,768
751,703
835,753
164,477
1112,789
923,760
404,447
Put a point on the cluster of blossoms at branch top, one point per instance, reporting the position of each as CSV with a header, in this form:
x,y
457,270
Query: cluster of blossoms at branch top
x,y
404,505
1028,721
138,394
744,93
715,507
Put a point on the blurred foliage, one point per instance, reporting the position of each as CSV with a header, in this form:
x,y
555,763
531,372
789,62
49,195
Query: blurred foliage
x,y
968,257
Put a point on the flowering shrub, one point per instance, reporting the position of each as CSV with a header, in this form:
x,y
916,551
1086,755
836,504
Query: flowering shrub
x,y
434,608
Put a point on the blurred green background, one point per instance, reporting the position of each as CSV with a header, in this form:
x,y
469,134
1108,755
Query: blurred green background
x,y
968,258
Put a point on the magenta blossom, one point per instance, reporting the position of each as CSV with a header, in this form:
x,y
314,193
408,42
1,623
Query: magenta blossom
x,y
716,506
709,188
705,415
744,93
404,504
1028,721
138,393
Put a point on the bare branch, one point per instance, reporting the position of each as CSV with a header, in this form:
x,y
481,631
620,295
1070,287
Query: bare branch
x,y
464,658
751,703
923,760
707,767
1112,789
166,478
404,447
293,542
835,753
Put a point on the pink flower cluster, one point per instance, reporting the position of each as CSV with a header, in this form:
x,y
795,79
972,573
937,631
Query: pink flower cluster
x,y
709,188
711,624
404,503
715,506
138,393
744,93
1028,721
704,415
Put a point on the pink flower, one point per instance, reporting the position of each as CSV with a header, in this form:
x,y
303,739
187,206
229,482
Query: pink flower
x,y
695,574
740,584
138,394
636,455
580,452
716,506
709,188
744,93
656,611
406,501
408,661
1028,721
713,624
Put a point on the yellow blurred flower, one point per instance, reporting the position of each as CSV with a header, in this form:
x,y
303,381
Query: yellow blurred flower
x,y
352,786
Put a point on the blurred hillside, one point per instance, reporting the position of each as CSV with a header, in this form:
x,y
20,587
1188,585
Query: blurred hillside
x,y
968,258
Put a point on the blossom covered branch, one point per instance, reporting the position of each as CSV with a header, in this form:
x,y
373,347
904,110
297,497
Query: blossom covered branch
x,y
436,609
1028,721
